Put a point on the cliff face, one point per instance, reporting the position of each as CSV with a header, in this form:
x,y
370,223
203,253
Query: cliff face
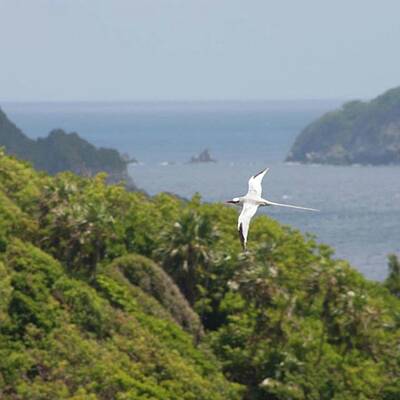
x,y
61,151
358,133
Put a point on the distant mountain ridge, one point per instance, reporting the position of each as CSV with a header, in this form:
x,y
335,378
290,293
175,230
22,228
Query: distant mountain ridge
x,y
358,133
62,151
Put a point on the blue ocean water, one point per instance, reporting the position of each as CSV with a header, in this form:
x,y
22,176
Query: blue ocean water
x,y
360,206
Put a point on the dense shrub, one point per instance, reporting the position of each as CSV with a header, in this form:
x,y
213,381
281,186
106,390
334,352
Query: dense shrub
x,y
145,274
87,313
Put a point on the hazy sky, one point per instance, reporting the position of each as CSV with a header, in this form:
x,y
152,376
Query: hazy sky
x,y
197,49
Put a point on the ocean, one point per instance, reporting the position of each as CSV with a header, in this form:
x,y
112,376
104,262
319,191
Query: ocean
x,y
360,205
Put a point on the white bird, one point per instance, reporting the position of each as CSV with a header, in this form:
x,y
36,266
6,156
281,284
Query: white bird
x,y
251,202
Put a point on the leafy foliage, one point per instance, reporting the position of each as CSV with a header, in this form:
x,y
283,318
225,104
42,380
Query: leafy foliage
x,y
185,251
87,313
80,327
392,282
152,279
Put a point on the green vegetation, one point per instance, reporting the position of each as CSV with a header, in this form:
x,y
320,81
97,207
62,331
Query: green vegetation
x,y
392,282
109,294
61,151
358,133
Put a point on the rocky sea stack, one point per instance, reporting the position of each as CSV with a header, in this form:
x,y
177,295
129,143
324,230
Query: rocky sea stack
x,y
203,157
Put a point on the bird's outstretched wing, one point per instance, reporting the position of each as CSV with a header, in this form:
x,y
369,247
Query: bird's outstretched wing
x,y
255,183
245,217
271,203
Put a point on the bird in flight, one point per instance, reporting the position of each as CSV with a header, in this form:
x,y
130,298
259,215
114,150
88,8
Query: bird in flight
x,y
251,202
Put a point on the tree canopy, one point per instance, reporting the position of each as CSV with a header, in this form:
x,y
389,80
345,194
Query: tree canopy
x,y
109,294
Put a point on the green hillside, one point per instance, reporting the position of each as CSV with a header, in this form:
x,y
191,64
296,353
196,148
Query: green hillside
x,y
61,151
107,294
358,133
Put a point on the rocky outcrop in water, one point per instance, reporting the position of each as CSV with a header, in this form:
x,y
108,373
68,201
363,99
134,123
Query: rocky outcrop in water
x,y
203,157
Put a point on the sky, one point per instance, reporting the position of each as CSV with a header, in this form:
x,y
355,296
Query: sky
x,y
123,50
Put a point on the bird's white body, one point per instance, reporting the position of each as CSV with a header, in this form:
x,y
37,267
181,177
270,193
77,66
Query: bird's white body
x,y
251,201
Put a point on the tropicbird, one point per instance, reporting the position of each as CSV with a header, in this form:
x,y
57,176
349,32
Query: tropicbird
x,y
251,201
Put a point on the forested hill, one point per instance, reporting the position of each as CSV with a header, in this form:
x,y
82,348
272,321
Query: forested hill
x,y
358,133
61,151
111,295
